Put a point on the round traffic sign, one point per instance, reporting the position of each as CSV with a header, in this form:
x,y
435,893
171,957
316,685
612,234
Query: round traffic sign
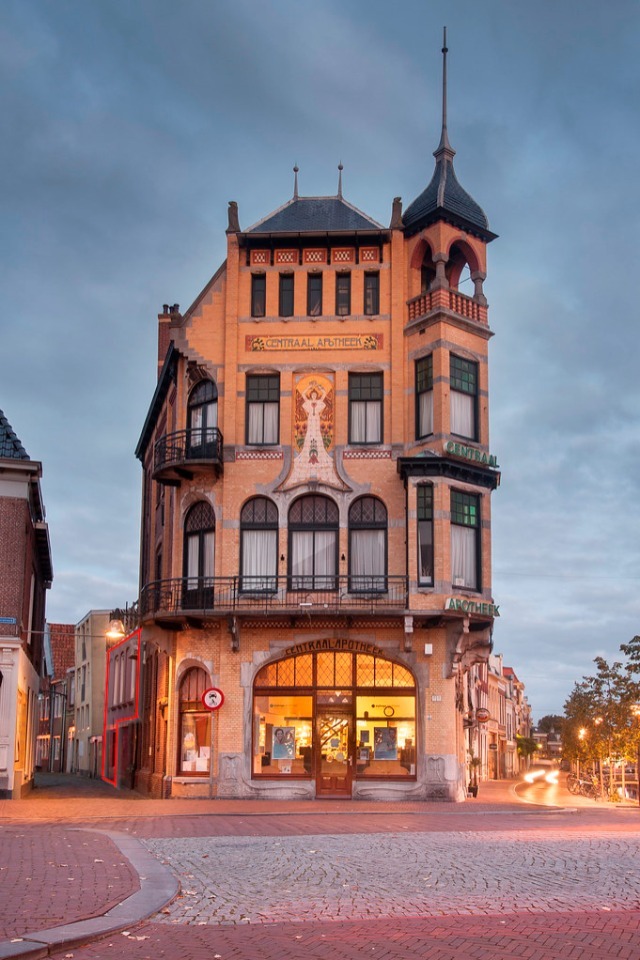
x,y
213,698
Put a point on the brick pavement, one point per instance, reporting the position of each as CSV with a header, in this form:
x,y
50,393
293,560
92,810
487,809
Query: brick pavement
x,y
228,836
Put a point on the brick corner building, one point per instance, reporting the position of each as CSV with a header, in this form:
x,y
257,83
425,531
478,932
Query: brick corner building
x,y
316,520
25,575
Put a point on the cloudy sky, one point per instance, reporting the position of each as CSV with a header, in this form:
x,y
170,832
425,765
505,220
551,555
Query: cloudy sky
x,y
126,129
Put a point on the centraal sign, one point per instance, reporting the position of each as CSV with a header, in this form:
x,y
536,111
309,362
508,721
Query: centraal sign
x,y
470,453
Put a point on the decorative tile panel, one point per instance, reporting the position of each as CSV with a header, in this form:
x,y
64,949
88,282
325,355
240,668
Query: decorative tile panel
x,y
369,255
343,255
314,256
260,256
286,256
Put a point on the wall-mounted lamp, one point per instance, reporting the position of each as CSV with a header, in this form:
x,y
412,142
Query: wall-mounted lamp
x,y
343,558
281,557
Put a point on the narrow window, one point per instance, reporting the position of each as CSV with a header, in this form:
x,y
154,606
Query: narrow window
x,y
424,397
194,736
314,294
258,294
365,407
367,546
198,557
343,294
313,544
286,295
202,420
463,376
371,294
425,534
465,540
263,409
259,545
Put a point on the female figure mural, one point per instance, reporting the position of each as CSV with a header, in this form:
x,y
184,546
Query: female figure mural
x,y
313,434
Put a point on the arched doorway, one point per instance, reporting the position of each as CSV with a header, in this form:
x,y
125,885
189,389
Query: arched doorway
x,y
334,714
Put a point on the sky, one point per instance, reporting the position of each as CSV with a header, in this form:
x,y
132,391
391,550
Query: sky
x,y
127,128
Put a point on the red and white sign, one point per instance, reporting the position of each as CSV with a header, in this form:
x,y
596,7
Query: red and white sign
x,y
213,698
482,715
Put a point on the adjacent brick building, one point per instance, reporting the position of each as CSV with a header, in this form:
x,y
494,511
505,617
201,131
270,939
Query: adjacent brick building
x,y
316,518
25,575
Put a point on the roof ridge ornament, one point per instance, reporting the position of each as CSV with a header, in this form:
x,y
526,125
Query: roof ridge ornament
x,y
296,168
444,147
340,169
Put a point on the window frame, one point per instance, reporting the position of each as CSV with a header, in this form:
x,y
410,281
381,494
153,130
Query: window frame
x,y
316,278
358,385
313,582
374,582
258,280
468,508
426,509
343,294
371,279
424,385
464,381
196,713
270,383
269,582
286,292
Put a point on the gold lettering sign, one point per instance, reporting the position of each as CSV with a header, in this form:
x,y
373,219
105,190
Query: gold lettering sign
x,y
354,341
336,644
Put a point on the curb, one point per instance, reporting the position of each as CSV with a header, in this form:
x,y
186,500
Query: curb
x,y
158,887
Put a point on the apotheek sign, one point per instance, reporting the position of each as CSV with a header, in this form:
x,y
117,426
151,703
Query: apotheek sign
x,y
472,606
470,453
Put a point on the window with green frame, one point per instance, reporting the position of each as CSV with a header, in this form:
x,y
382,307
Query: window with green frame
x,y
465,540
463,380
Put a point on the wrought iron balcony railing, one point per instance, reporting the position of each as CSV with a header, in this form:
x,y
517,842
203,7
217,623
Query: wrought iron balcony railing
x,y
270,594
186,448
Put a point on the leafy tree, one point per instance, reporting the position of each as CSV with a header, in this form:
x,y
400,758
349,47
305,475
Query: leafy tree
x,y
550,722
526,746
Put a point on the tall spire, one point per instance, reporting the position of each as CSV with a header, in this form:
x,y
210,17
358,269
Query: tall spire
x,y
340,169
444,147
295,181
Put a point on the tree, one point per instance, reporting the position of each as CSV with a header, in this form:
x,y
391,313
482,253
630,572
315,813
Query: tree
x,y
552,722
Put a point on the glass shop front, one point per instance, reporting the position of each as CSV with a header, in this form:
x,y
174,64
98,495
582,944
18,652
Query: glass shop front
x,y
334,717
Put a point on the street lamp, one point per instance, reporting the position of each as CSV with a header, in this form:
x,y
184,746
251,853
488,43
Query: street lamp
x,y
116,631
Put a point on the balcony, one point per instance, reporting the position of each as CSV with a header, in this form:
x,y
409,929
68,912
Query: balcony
x,y
186,454
446,299
178,601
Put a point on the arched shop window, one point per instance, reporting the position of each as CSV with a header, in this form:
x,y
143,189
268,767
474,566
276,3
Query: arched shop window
x,y
302,706
194,738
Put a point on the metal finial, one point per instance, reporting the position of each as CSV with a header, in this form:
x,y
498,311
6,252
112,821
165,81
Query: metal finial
x,y
444,146
295,181
340,169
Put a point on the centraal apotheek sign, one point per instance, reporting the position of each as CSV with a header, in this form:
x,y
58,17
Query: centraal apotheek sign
x,y
472,606
470,453
354,341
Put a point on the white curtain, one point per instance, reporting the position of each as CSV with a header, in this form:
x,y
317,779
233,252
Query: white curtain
x,y
425,551
209,549
193,553
463,556
462,420
366,421
263,423
426,413
307,547
367,559
195,433
259,559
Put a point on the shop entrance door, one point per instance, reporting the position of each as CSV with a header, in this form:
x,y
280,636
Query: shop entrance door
x,y
334,750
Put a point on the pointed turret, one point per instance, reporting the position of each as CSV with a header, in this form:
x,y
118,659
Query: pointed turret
x,y
444,198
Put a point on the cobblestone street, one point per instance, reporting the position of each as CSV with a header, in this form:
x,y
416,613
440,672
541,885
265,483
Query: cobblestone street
x,y
240,880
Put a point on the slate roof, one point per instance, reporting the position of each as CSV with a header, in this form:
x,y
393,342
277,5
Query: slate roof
x,y
315,215
10,446
445,199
